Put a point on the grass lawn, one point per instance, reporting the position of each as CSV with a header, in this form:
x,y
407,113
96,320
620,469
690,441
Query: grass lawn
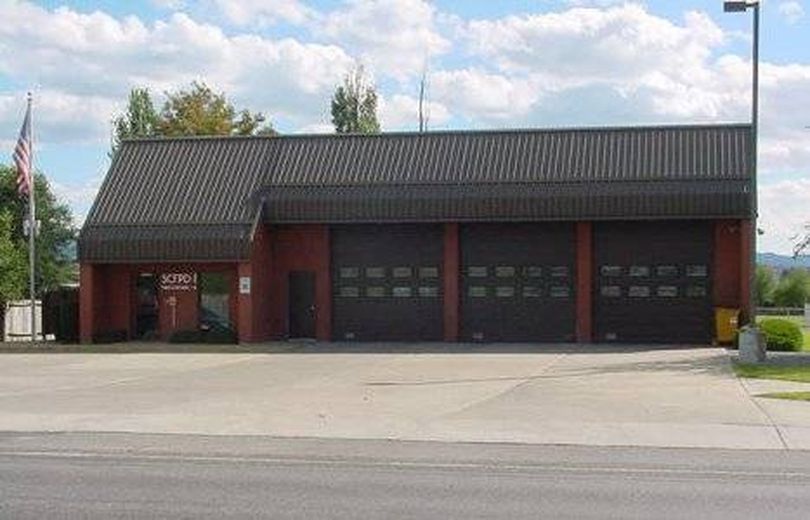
x,y
799,373
793,396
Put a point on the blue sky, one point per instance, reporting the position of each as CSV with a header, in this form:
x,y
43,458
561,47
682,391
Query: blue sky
x,y
510,63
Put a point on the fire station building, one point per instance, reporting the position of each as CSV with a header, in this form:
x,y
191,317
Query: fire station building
x,y
629,235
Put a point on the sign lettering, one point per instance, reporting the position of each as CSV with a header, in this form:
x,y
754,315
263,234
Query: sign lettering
x,y
178,281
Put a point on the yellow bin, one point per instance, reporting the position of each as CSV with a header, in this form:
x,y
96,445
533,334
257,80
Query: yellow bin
x,y
726,324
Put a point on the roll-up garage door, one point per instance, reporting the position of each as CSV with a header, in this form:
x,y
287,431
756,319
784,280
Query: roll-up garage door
x,y
653,282
518,282
387,282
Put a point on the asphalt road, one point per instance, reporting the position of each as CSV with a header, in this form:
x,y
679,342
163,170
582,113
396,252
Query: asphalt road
x,y
128,476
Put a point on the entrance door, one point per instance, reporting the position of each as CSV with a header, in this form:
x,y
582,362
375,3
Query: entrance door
x,y
302,304
146,313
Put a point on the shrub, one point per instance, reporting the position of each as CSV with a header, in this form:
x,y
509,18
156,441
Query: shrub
x,y
203,336
220,336
782,334
110,336
186,336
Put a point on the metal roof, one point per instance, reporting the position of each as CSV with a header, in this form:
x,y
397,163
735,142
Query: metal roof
x,y
191,191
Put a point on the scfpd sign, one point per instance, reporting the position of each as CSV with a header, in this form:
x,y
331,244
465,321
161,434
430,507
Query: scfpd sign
x,y
178,281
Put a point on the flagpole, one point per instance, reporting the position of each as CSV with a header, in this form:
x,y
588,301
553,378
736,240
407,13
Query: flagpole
x,y
32,226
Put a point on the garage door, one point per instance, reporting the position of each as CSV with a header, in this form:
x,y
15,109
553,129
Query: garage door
x,y
518,282
653,282
387,282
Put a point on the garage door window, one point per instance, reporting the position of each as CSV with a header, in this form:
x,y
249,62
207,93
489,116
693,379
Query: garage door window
x,y
505,291
429,292
402,272
560,291
697,271
477,272
611,270
610,291
666,271
375,272
428,272
349,272
532,291
696,291
504,271
667,291
559,271
375,291
349,292
639,271
533,271
402,292
639,291
477,291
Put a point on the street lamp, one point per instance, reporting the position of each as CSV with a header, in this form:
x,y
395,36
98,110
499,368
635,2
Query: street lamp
x,y
731,6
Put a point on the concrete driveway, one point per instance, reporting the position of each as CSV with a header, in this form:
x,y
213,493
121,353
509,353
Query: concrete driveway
x,y
565,395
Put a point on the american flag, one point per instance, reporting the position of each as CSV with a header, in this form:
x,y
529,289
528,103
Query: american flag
x,y
22,156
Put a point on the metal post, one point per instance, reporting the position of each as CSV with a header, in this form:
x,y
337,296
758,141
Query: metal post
x,y
32,224
754,168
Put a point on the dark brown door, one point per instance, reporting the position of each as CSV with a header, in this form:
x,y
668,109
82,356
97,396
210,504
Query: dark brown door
x,y
518,282
653,282
302,304
387,282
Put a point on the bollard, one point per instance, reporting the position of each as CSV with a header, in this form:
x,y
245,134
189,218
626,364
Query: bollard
x,y
751,345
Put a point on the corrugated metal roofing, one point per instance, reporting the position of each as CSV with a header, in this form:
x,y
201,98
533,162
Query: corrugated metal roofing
x,y
181,186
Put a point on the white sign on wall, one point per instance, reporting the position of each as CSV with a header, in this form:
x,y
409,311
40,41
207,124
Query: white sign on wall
x,y
244,285
178,281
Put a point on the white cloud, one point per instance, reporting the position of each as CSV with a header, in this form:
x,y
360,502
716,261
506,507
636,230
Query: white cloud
x,y
90,61
401,112
480,96
264,12
792,11
394,37
784,209
73,118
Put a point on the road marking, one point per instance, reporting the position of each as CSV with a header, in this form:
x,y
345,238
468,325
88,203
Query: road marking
x,y
398,464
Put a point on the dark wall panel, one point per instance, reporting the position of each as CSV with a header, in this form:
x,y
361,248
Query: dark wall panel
x,y
518,282
653,281
387,282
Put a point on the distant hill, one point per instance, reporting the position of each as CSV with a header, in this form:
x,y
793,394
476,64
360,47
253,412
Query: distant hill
x,y
783,261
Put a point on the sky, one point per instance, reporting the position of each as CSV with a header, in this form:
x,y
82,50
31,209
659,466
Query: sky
x,y
489,64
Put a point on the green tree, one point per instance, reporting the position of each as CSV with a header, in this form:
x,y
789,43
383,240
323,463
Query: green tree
x,y
55,263
140,119
793,289
13,267
765,285
201,111
354,105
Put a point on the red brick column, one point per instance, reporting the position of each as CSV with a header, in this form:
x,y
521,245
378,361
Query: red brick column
x,y
451,270
727,263
745,270
245,305
323,284
584,282
86,302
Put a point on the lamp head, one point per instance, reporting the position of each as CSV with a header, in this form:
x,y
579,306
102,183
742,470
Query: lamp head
x,y
739,6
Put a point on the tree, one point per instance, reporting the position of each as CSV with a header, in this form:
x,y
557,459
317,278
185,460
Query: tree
x,y
354,105
793,289
55,262
765,285
140,119
201,111
13,268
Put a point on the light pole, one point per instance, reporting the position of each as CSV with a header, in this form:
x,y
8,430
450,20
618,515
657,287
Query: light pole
x,y
730,6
